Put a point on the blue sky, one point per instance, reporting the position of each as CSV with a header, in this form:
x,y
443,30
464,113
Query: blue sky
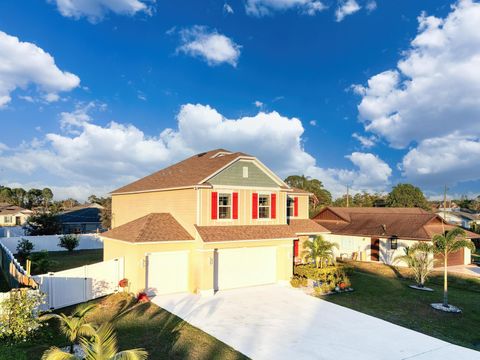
x,y
291,81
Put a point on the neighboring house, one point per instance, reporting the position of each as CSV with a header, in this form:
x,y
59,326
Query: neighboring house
x,y
217,220
381,234
81,219
11,215
461,218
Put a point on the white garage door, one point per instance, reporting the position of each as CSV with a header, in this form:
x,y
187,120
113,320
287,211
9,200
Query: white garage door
x,y
167,272
245,267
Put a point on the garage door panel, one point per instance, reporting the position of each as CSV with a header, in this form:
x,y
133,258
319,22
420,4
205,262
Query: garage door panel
x,y
167,272
456,258
245,267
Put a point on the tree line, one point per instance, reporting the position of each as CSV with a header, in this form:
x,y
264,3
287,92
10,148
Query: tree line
x,y
401,195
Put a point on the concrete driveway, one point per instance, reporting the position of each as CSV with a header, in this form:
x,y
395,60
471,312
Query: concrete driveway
x,y
275,322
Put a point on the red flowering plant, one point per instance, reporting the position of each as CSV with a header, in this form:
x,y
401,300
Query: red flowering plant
x,y
142,297
123,284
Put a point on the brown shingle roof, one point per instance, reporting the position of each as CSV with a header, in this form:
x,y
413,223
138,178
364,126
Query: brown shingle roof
x,y
345,212
245,232
406,223
150,228
306,226
6,209
188,172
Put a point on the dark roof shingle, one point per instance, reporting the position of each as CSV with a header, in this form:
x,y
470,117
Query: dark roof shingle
x,y
245,232
189,172
150,228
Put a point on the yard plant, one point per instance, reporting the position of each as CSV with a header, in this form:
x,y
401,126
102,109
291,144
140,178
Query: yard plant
x,y
75,325
419,258
18,315
69,242
100,345
319,251
446,244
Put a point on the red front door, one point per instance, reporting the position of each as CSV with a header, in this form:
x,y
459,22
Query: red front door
x,y
295,248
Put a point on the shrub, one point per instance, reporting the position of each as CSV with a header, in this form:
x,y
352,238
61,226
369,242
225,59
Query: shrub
x,y
295,281
40,262
24,249
19,315
329,276
69,242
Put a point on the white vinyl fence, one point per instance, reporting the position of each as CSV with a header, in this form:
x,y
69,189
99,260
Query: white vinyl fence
x,y
50,242
74,286
11,231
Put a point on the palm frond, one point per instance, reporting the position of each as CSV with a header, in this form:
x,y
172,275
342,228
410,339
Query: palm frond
x,y
133,354
55,353
83,310
47,317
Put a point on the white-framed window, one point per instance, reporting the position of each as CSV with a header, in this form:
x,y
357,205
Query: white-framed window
x,y
263,206
290,207
245,172
224,206
8,219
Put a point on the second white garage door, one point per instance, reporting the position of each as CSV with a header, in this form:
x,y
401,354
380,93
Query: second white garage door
x,y
245,267
167,272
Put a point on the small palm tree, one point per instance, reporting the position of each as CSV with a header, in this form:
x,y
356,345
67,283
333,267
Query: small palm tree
x,y
319,251
418,258
102,345
75,325
446,244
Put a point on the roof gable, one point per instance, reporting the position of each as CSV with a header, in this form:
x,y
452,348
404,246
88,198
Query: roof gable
x,y
235,175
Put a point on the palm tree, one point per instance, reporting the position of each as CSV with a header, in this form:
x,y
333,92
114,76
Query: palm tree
x,y
75,325
446,244
319,251
102,345
418,258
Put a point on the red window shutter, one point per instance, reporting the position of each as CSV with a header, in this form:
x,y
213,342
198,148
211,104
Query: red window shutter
x,y
295,248
295,206
214,204
273,206
254,205
235,205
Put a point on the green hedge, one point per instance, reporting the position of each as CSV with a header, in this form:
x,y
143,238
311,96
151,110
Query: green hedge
x,y
329,276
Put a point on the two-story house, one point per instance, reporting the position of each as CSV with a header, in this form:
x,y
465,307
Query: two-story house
x,y
217,220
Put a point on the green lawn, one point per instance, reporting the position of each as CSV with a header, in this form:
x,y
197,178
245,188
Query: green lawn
x,y
162,334
381,293
63,260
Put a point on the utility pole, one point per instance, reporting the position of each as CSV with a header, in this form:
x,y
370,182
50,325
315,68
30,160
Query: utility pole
x,y
444,208
348,200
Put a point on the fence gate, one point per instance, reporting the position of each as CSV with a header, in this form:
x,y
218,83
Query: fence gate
x,y
75,286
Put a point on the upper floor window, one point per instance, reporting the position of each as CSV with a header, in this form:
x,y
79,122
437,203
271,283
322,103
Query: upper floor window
x,y
224,206
290,207
7,219
264,206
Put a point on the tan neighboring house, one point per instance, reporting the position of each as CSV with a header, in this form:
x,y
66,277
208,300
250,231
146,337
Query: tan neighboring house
x,y
217,220
12,215
381,234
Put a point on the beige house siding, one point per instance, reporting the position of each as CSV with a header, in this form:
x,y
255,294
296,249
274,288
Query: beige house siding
x,y
181,204
12,218
201,267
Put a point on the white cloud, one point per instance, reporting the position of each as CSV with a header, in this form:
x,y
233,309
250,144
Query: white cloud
x,y
95,10
444,160
435,89
227,9
345,8
371,5
431,101
24,64
266,7
365,141
313,122
91,158
214,48
258,103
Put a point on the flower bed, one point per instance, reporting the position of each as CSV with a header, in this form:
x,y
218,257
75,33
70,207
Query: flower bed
x,y
322,281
